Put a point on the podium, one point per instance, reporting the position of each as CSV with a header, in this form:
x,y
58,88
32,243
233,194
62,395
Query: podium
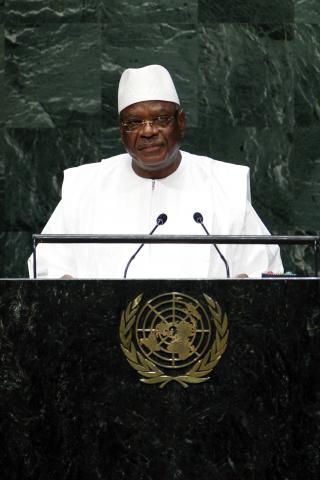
x,y
73,407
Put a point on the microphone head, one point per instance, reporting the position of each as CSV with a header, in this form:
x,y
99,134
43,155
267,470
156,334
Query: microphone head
x,y
197,217
162,218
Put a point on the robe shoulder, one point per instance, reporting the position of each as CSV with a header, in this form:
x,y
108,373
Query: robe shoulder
x,y
84,177
232,179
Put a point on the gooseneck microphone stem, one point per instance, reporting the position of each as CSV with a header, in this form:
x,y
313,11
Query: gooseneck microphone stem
x,y
161,219
219,252
136,253
198,218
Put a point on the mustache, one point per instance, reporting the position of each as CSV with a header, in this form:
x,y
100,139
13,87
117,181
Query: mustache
x,y
150,143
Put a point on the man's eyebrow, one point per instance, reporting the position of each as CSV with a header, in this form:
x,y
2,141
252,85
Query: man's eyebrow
x,y
154,114
131,117
162,111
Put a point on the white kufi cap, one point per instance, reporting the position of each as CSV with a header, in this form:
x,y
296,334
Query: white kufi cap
x,y
153,82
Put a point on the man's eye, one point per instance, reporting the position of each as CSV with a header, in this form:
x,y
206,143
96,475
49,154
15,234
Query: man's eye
x,y
134,123
161,120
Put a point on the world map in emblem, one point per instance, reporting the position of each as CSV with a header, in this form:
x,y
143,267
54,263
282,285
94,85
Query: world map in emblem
x,y
174,336
173,330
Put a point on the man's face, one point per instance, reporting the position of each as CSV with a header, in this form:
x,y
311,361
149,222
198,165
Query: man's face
x,y
154,147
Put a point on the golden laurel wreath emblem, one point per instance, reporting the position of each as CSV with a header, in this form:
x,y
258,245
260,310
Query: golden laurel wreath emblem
x,y
173,332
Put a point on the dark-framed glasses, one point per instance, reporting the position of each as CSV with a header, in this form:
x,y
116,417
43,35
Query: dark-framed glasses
x,y
161,121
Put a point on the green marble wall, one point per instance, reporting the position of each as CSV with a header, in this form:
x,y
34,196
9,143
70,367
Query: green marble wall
x,y
247,73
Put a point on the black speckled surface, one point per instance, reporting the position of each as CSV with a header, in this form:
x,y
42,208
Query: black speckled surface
x,y
72,407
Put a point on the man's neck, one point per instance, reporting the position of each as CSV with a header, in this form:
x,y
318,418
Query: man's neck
x,y
156,174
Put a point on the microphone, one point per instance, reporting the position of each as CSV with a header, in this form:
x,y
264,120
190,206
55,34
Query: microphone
x,y
198,218
161,220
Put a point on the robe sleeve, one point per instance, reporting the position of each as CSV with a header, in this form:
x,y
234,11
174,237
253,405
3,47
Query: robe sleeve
x,y
255,259
54,260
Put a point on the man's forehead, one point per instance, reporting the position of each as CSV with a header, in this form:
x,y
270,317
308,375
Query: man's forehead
x,y
149,106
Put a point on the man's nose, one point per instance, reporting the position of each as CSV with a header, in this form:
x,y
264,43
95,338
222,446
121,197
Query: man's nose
x,y
148,128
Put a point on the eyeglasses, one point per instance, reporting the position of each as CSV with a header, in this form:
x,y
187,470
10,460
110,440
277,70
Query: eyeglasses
x,y
160,122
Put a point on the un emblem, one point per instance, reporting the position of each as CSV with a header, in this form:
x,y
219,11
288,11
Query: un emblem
x,y
173,337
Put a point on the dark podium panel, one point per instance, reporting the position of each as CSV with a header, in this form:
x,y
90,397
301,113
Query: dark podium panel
x,y
73,408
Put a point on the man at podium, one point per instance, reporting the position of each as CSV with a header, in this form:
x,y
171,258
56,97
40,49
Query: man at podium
x,y
127,193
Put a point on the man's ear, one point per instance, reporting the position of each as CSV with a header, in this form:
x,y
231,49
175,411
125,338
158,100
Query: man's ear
x,y
121,130
182,122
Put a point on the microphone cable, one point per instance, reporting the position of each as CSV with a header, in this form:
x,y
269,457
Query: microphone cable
x,y
198,218
161,220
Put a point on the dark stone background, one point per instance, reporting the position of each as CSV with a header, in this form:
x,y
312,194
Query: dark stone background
x,y
247,73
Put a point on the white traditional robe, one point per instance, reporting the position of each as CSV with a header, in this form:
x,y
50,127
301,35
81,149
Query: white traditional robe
x,y
110,198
